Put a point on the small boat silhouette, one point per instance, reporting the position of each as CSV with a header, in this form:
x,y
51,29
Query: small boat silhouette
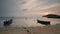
x,y
6,23
43,22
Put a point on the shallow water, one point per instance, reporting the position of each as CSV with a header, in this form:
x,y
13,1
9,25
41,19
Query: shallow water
x,y
28,21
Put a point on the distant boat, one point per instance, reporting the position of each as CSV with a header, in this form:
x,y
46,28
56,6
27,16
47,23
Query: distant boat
x,y
52,16
6,23
43,22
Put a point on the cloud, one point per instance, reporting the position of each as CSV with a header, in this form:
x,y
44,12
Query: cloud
x,y
17,7
34,5
47,7
29,4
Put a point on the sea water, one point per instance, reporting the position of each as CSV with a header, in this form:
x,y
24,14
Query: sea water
x,y
28,21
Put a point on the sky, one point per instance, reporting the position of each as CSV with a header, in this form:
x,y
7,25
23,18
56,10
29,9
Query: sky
x,y
28,7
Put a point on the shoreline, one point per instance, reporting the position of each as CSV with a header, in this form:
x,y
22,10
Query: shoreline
x,y
54,29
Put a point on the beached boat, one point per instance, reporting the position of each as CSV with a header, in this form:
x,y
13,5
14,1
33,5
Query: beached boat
x,y
43,22
6,23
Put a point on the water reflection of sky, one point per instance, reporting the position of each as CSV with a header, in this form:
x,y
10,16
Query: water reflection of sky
x,y
30,22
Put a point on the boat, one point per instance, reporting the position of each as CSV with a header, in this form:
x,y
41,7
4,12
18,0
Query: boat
x,y
8,22
43,22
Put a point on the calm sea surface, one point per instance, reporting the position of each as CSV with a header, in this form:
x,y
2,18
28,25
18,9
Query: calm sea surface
x,y
28,21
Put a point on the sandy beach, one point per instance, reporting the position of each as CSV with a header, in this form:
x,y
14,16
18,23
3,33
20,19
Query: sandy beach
x,y
54,29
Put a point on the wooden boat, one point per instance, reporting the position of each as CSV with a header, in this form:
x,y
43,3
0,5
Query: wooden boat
x,y
43,22
6,23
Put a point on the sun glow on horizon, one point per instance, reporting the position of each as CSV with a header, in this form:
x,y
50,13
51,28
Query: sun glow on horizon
x,y
45,13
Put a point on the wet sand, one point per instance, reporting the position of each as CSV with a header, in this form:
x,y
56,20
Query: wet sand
x,y
54,29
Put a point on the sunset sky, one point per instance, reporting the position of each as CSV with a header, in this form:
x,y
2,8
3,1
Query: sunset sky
x,y
29,7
